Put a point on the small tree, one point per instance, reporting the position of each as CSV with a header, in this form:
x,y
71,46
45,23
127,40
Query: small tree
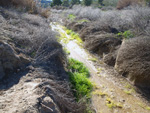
x,y
65,3
148,2
100,2
111,2
87,2
56,2
73,2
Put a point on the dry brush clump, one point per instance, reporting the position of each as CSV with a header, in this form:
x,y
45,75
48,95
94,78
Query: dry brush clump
x,y
133,60
125,3
31,6
85,12
118,20
24,32
102,44
141,20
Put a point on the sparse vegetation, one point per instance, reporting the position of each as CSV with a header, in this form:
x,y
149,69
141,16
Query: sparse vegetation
x,y
100,93
128,86
73,36
147,108
82,20
93,59
66,51
63,38
144,106
129,91
111,104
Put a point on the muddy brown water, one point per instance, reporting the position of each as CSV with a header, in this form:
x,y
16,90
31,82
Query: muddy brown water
x,y
111,94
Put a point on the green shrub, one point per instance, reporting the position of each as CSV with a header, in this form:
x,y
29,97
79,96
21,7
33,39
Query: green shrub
x,y
110,2
71,17
56,2
68,31
66,51
73,2
126,35
76,37
77,66
78,75
100,2
87,2
65,3
82,21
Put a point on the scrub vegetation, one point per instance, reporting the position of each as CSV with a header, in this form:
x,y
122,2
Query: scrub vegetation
x,y
106,30
117,32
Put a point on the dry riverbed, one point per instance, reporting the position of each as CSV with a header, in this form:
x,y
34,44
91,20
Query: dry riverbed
x,y
111,93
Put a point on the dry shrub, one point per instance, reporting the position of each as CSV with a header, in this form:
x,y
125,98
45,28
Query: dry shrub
x,y
5,2
140,19
26,5
29,5
102,44
133,60
45,12
85,12
124,3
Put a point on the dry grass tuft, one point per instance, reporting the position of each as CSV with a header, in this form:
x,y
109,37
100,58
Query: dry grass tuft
x,y
45,13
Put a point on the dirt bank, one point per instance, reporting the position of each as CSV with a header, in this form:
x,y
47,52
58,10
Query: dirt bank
x,y
32,75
